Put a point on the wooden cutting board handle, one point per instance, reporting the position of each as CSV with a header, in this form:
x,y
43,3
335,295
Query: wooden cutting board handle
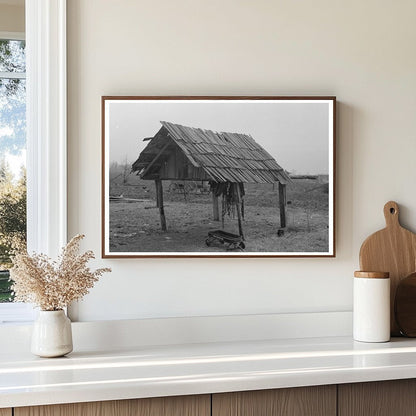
x,y
393,250
391,214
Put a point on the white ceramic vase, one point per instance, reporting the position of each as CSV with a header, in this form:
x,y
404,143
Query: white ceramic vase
x,y
52,334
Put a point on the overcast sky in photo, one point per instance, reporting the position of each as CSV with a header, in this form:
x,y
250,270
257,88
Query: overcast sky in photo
x,y
296,134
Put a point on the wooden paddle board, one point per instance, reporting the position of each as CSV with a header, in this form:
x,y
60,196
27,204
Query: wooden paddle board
x,y
393,250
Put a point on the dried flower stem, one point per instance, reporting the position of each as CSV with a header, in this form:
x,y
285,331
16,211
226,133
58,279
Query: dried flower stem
x,y
53,285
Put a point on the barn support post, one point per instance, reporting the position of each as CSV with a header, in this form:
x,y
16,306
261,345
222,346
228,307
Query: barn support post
x,y
215,207
157,194
222,211
242,207
159,199
282,204
238,206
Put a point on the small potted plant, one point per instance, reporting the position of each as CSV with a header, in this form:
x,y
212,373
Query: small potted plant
x,y
52,286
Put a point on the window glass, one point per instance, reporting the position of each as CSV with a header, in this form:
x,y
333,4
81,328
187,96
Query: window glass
x,y
12,56
12,156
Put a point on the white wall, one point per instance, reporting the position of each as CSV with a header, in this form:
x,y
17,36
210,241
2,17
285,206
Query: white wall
x,y
361,51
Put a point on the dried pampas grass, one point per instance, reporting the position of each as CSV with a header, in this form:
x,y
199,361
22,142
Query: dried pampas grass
x,y
53,285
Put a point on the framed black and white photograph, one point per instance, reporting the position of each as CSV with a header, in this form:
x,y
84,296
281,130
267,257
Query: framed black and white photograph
x,y
218,176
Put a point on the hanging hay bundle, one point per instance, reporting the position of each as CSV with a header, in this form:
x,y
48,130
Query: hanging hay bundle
x,y
230,197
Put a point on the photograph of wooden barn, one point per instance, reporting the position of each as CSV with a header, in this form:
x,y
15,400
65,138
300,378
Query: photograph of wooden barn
x,y
226,160
181,185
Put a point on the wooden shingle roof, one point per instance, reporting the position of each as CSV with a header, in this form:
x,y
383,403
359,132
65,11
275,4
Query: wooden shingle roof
x,y
232,157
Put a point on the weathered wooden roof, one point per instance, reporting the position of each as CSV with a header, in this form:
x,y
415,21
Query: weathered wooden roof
x,y
232,157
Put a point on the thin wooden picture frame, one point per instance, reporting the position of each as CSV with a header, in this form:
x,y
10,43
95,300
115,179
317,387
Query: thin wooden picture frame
x,y
243,176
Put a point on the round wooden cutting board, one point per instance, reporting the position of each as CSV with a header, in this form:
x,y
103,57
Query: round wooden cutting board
x,y
393,250
405,306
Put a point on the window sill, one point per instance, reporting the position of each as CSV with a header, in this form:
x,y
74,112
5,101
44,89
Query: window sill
x,y
16,313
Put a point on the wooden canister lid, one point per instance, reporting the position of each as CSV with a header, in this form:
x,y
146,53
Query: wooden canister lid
x,y
372,275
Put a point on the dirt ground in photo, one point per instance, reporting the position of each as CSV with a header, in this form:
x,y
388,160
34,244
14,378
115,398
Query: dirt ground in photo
x,y
135,221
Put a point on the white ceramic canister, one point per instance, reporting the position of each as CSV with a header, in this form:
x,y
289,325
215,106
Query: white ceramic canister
x,y
371,322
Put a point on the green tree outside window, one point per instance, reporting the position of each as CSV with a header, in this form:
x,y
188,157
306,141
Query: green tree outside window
x,y
12,155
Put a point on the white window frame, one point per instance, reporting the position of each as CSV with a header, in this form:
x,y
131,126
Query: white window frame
x,y
46,124
46,134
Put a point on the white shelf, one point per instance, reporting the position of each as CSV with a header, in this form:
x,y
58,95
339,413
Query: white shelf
x,y
150,371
